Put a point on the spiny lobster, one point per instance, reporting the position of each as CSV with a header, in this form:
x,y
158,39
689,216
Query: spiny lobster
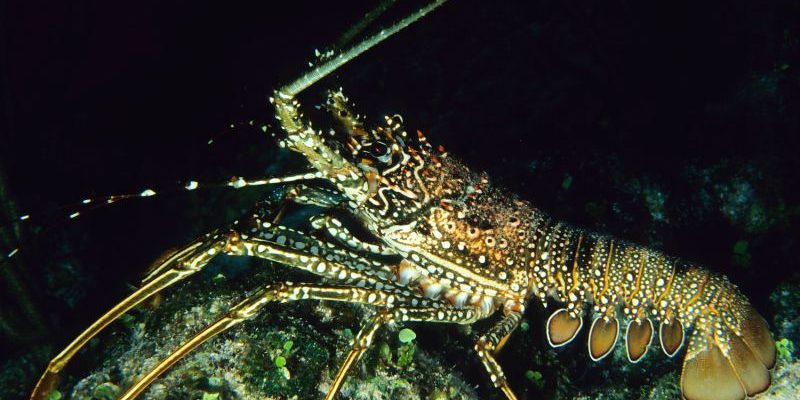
x,y
448,247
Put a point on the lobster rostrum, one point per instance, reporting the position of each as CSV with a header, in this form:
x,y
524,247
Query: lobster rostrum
x,y
448,247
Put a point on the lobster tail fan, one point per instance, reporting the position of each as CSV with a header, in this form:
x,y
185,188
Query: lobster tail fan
x,y
729,357
707,374
755,334
751,372
562,327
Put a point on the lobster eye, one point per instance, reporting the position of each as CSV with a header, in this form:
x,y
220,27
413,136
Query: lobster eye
x,y
380,151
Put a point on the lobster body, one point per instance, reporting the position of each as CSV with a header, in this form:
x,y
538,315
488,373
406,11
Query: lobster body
x,y
480,246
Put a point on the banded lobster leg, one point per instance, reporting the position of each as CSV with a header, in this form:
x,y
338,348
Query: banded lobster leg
x,y
170,269
491,343
339,232
192,258
393,308
174,268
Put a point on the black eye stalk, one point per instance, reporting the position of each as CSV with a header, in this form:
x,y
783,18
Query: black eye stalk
x,y
380,151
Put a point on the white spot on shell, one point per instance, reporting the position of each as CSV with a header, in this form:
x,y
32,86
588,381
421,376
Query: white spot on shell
x,y
487,305
432,291
460,299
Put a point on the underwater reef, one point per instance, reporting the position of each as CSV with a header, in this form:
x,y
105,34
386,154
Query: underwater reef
x,y
291,351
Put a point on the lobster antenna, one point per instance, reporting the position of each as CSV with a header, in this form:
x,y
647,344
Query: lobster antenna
x,y
324,69
361,25
75,210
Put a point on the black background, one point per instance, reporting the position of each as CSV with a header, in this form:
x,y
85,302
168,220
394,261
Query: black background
x,y
102,98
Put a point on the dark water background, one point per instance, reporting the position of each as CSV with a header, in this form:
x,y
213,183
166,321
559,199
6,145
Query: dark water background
x,y
674,124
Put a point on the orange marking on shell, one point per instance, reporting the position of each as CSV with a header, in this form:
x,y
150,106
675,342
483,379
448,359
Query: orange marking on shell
x,y
517,304
234,239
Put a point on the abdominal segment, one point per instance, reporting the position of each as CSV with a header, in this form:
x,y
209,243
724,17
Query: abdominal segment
x,y
644,298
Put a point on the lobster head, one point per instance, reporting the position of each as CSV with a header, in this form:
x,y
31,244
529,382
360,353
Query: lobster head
x,y
385,174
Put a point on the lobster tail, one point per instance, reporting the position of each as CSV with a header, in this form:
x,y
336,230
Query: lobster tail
x,y
562,327
755,333
730,352
632,290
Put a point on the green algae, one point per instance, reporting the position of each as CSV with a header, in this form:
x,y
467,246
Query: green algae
x,y
536,377
566,183
406,335
785,348
741,254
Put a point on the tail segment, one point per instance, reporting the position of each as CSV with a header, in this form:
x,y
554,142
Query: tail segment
x,y
730,350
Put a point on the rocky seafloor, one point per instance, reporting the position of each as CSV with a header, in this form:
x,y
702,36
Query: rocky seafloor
x,y
291,352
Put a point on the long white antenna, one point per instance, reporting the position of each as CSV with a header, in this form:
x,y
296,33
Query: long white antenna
x,y
322,70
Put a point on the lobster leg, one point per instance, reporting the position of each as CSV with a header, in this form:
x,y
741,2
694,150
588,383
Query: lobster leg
x,y
287,291
361,343
339,232
172,268
386,316
177,266
299,194
489,344
314,196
